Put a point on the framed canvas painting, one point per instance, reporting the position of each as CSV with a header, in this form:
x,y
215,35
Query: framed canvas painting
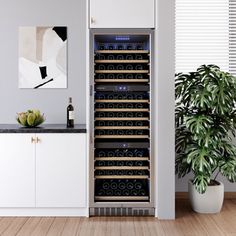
x,y
43,57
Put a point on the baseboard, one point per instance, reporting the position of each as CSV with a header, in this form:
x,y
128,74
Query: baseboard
x,y
184,195
46,212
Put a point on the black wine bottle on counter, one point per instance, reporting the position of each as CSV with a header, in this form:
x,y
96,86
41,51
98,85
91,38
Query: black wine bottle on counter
x,y
70,114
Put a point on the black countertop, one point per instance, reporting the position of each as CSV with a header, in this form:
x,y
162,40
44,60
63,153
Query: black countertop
x,y
45,128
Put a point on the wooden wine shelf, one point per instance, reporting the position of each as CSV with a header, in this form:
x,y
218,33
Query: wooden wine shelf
x,y
121,176
122,118
121,80
121,61
122,136
121,158
122,51
121,168
123,100
122,127
122,71
121,198
124,109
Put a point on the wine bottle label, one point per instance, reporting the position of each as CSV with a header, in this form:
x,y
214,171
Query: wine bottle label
x,y
71,115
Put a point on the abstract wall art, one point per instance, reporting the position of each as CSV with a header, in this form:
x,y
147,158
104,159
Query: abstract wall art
x,y
43,57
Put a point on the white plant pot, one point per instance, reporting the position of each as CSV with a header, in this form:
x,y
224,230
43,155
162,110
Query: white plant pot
x,y
209,202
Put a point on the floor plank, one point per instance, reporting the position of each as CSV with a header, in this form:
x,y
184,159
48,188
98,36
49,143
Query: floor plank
x,y
57,226
15,226
43,227
29,226
187,223
71,226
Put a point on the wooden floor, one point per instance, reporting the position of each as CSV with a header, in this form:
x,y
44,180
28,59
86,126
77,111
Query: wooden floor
x,y
187,223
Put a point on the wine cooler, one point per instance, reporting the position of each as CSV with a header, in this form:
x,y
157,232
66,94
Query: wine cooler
x,y
121,120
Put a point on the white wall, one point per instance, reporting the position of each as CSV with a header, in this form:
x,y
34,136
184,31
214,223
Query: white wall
x,y
52,102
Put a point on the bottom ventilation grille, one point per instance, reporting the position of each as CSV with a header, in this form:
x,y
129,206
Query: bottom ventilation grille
x,y
121,211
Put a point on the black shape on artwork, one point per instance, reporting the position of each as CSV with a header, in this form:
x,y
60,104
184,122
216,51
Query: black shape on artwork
x,y
43,71
61,32
40,85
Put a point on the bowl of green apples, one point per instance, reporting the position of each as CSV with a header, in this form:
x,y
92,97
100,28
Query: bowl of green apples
x,y
30,118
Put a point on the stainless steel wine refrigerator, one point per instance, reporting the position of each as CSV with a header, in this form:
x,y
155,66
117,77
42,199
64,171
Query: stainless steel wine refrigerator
x,y
121,160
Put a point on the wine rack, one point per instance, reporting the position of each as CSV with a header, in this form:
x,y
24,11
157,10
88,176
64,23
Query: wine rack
x,y
122,106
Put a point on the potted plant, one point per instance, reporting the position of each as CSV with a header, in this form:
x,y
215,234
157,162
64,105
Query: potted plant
x,y
205,120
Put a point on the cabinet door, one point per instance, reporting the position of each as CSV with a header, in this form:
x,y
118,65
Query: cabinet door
x,y
17,170
122,13
61,170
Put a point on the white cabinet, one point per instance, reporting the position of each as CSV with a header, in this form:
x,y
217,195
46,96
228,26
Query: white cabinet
x,y
43,170
61,170
122,14
17,170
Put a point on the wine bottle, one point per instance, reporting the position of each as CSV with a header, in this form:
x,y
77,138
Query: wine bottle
x,y
110,123
101,163
101,67
120,57
120,47
111,76
138,105
101,76
117,192
129,163
101,192
111,154
101,154
110,67
134,192
119,123
121,185
120,67
129,47
129,185
113,185
139,123
120,132
138,76
138,163
111,47
138,57
111,57
70,114
129,105
110,163
101,105
129,154
129,76
101,57
129,123
101,47
129,67
120,105
125,192
106,185
138,67
120,76
139,47
129,57
141,192
120,163
109,192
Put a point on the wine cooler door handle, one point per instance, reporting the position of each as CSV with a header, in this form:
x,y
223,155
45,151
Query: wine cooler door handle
x,y
92,20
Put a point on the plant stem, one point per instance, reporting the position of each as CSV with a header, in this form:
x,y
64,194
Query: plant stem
x,y
216,175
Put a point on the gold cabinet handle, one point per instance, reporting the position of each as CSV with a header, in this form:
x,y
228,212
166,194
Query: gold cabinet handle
x,y
33,140
38,140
